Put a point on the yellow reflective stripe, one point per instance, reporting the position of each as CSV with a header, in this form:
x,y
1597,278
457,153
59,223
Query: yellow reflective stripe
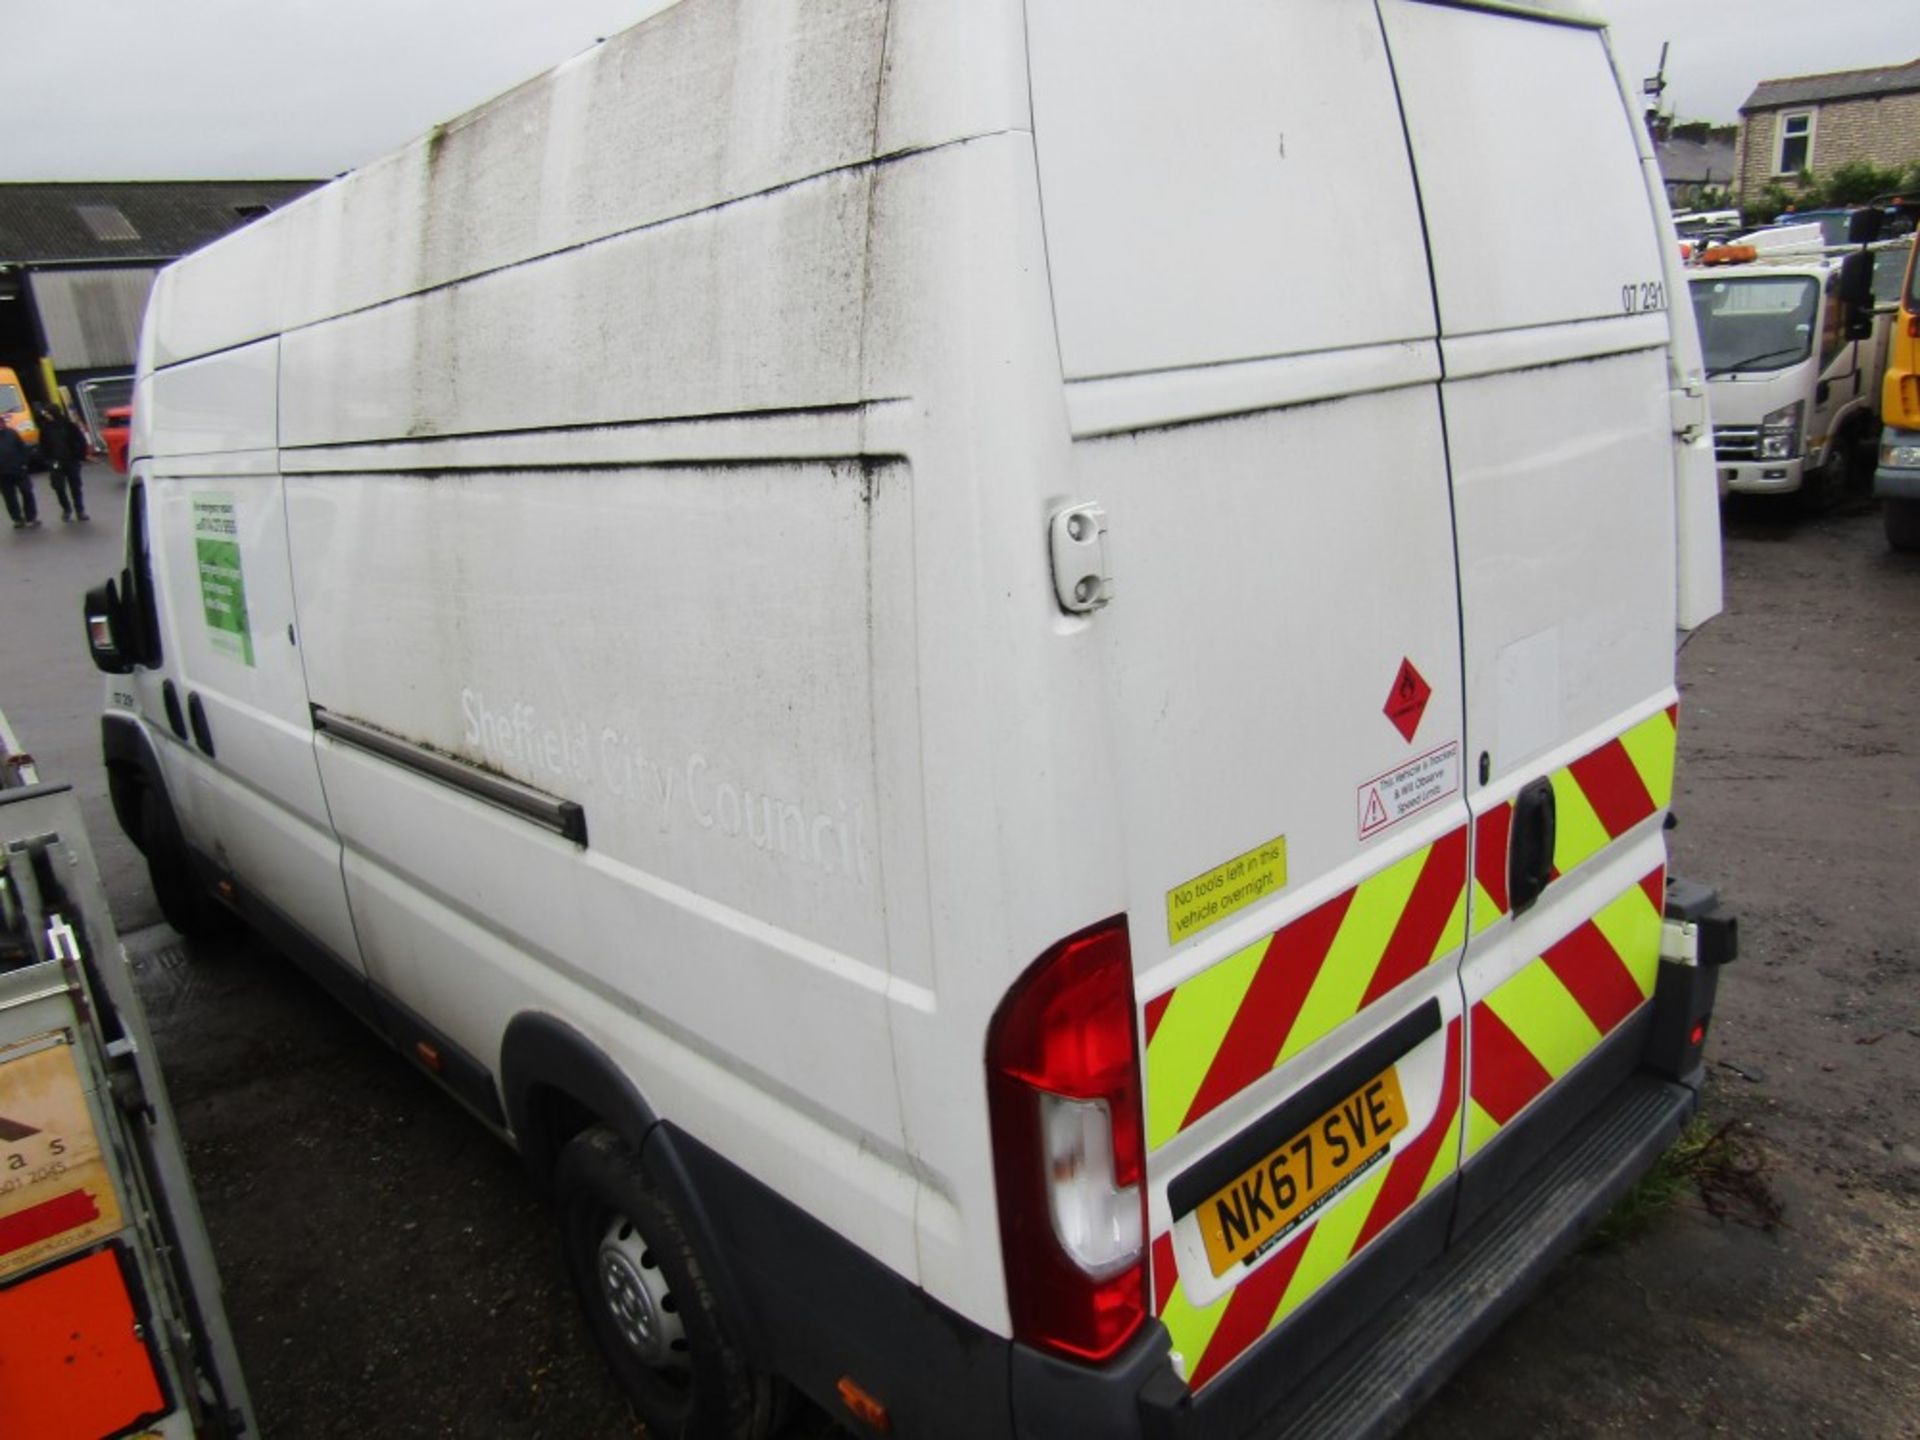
x,y
1545,1017
1446,1159
1481,1127
1578,833
1190,1327
1486,911
1190,1034
1650,745
1454,933
1331,1244
1632,927
1355,953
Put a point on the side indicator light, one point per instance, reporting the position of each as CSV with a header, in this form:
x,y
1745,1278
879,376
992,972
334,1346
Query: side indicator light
x,y
863,1406
1698,1034
429,1056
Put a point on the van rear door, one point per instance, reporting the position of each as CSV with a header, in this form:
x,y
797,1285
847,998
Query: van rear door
x,y
1246,325
1548,269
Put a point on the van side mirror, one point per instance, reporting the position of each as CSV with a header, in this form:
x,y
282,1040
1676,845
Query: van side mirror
x,y
1863,226
1856,294
107,630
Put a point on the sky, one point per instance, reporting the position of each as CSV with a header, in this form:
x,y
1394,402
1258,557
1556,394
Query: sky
x,y
300,89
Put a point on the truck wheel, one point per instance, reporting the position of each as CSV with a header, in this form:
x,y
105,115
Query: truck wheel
x,y
649,1298
1902,519
185,903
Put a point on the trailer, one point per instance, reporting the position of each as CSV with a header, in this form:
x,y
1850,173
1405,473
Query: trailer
x,y
111,1322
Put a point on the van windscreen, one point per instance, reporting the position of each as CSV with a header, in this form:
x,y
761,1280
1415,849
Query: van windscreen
x,y
1755,323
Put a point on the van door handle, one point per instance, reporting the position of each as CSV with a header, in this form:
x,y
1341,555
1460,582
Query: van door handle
x,y
197,718
1530,856
176,717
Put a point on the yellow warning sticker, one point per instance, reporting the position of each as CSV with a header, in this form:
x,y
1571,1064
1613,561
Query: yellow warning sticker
x,y
55,1192
1207,899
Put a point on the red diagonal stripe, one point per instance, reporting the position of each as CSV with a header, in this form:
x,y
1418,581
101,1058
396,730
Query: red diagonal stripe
x,y
1417,933
1613,787
1505,1074
47,1219
1166,1270
1673,714
1250,1310
1272,1003
1654,884
1490,852
1595,976
1411,1165
1156,1012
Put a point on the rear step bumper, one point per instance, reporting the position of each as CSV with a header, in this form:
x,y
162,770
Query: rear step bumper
x,y
1376,1381
1386,1372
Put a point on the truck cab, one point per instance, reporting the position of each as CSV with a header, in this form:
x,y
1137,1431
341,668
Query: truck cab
x,y
1793,394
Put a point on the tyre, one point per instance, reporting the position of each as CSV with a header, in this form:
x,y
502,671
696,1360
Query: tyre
x,y
187,904
650,1300
1902,518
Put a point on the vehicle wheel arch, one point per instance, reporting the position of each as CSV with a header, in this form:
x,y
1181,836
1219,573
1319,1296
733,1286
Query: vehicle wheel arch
x,y
557,1084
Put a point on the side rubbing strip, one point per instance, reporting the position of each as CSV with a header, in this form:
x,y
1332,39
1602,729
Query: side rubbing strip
x,y
563,817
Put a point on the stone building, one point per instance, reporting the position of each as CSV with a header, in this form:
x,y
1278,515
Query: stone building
x,y
78,257
1818,123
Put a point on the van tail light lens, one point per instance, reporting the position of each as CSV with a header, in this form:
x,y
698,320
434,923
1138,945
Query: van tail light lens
x,y
1063,1081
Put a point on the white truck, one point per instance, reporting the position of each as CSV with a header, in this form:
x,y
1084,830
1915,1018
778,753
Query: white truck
x,y
1795,363
1044,815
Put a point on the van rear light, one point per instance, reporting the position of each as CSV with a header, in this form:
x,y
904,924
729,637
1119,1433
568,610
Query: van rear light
x,y
1063,1063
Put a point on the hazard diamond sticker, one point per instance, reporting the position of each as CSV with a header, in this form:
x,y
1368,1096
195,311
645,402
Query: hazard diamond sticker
x,y
1408,702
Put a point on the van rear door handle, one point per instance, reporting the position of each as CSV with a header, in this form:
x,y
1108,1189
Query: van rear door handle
x,y
1530,856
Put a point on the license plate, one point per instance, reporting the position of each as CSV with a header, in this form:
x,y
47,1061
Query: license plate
x,y
1266,1202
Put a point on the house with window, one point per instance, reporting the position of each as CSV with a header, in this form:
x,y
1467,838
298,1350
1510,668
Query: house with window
x,y
78,258
1817,123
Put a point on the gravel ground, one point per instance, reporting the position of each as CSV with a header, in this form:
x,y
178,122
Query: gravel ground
x,y
389,1271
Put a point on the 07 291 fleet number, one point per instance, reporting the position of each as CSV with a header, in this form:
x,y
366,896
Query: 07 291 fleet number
x,y
1646,296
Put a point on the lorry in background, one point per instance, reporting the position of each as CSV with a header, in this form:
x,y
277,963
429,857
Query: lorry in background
x,y
1795,335
1040,821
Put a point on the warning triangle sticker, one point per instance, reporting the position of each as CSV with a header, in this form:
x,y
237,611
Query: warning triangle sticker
x,y
1376,814
1407,701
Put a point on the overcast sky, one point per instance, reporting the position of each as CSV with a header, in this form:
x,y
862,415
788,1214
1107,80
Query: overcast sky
x,y
264,89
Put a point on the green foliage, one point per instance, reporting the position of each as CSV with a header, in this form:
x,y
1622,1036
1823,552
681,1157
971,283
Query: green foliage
x,y
1854,183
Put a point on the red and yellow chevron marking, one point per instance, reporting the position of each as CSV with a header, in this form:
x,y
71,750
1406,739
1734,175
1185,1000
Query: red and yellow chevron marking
x,y
1543,1021
1211,1338
1596,800
1217,1033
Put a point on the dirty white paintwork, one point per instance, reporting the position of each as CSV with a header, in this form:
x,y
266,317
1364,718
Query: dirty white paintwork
x,y
677,435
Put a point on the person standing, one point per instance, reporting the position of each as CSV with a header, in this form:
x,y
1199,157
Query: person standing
x,y
16,485
64,446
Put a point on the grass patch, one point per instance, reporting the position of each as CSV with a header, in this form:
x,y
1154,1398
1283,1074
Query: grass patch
x,y
1714,1163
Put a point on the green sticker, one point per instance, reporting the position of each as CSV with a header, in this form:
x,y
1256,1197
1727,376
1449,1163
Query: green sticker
x,y
223,590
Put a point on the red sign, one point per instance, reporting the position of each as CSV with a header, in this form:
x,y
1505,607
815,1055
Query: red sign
x,y
1408,701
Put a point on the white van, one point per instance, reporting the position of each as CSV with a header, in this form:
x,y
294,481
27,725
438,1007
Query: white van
x,y
1000,678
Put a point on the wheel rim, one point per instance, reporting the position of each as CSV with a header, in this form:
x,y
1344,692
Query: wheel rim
x,y
638,1298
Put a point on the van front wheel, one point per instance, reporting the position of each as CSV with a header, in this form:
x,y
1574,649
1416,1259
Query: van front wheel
x,y
187,905
1902,518
649,1298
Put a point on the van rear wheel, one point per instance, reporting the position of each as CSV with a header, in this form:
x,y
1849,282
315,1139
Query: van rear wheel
x,y
650,1301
